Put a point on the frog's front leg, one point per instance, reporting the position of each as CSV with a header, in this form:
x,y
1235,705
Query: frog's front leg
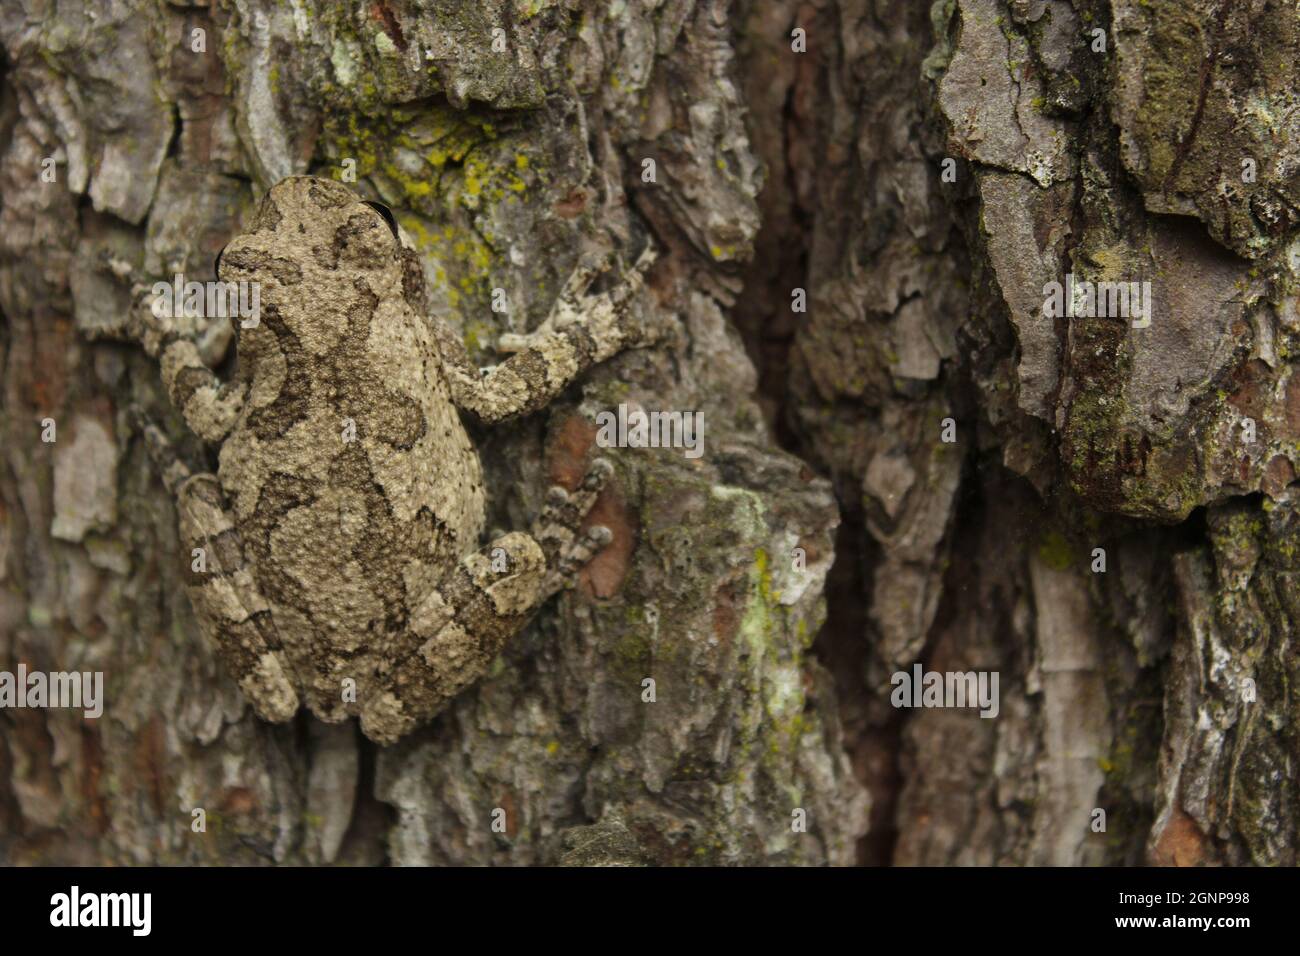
x,y
483,602
220,583
209,405
581,331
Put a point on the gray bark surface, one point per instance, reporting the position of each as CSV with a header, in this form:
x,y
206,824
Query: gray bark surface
x,y
828,537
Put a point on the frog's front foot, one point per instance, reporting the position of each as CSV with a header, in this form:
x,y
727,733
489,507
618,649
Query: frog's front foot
x,y
577,306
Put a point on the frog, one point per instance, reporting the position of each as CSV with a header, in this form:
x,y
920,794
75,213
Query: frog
x,y
336,555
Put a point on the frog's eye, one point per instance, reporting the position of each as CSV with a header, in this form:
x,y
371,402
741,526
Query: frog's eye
x,y
387,214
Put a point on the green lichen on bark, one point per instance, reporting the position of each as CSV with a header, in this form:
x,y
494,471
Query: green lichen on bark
x,y
1205,88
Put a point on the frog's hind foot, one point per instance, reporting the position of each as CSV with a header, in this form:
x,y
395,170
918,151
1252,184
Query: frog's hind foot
x,y
557,528
575,557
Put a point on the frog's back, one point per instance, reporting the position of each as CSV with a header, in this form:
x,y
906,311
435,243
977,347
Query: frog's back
x,y
351,474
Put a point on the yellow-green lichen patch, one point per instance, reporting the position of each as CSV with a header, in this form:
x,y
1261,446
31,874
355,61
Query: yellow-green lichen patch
x,y
1055,552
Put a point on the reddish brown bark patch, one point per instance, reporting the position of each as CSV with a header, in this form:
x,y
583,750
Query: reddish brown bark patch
x,y
1277,475
1180,844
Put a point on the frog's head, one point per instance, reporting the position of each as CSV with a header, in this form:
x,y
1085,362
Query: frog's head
x,y
314,249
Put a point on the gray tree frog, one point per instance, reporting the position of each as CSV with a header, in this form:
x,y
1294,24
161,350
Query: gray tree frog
x,y
339,539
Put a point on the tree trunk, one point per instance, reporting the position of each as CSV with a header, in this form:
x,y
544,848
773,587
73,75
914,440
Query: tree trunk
x,y
909,460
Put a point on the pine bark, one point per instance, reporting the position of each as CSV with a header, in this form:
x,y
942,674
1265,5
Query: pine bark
x,y
918,173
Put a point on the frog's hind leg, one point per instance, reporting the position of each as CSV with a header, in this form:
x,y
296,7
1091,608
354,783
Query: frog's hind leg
x,y
483,602
220,583
461,627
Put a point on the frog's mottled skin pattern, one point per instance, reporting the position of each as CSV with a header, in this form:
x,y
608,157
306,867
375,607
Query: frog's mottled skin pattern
x,y
339,538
